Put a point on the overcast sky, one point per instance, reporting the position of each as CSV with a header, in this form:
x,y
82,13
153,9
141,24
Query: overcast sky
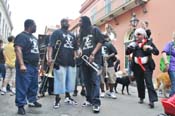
x,y
44,12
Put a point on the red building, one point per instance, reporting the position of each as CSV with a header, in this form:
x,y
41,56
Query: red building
x,y
118,13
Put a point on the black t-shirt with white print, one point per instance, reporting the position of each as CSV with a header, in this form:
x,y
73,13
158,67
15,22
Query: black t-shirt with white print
x,y
89,42
29,44
108,49
65,55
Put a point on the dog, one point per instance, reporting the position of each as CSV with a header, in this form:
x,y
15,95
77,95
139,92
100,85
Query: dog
x,y
163,83
124,80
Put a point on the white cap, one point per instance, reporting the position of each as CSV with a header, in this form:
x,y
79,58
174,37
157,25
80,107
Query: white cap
x,y
140,31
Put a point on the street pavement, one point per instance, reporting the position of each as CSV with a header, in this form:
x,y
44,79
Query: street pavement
x,y
124,105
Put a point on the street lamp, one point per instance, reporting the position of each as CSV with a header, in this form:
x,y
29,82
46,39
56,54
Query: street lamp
x,y
134,21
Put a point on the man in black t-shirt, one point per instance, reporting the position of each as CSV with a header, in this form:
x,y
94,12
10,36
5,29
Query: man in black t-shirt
x,y
91,40
64,64
27,53
108,52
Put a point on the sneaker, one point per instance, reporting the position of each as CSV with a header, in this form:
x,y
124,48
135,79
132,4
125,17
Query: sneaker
x,y
12,92
86,103
3,91
70,101
75,92
141,101
83,92
21,110
96,109
56,105
35,104
112,95
102,95
151,105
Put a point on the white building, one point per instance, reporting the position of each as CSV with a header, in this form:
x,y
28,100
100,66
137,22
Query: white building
x,y
5,20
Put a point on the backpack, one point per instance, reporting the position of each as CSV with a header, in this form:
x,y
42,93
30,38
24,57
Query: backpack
x,y
162,62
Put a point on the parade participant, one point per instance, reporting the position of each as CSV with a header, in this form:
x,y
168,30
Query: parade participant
x,y
143,64
27,54
10,58
91,40
169,49
2,63
108,52
64,65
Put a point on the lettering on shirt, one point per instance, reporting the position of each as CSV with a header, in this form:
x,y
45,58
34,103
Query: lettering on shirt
x,y
68,41
34,49
104,50
87,42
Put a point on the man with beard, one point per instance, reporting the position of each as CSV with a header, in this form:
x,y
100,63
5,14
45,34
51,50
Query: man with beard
x,y
64,64
91,40
27,54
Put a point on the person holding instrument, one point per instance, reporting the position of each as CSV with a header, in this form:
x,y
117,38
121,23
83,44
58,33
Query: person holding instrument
x,y
91,40
64,62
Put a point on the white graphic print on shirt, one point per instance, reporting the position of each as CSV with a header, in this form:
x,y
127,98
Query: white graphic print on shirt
x,y
87,42
69,41
34,49
104,50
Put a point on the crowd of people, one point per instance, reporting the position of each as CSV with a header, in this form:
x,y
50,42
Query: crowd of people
x,y
19,61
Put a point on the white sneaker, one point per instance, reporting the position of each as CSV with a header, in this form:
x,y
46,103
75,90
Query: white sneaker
x,y
3,91
70,101
86,103
112,95
102,95
56,105
96,109
13,90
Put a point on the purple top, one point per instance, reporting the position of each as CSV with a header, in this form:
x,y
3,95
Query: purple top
x,y
169,49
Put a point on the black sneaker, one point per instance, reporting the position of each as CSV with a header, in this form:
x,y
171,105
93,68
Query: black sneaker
x,y
151,105
96,109
35,104
21,110
75,92
70,101
83,92
141,101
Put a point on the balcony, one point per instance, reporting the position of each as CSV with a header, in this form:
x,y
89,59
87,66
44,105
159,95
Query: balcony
x,y
114,9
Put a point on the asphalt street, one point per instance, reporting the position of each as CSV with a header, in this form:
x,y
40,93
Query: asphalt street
x,y
124,105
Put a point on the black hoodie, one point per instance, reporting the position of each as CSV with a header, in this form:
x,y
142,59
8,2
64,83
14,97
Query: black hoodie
x,y
89,37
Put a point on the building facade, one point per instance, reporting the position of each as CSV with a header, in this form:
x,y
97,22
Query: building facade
x,y
5,20
118,13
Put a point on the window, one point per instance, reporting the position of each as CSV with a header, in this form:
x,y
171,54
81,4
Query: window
x,y
3,26
0,21
93,15
107,6
5,31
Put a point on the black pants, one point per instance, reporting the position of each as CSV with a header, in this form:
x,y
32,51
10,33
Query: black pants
x,y
92,84
47,83
142,78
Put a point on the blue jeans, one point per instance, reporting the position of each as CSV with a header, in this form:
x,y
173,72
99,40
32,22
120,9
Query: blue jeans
x,y
2,71
79,77
64,79
26,85
172,78
92,84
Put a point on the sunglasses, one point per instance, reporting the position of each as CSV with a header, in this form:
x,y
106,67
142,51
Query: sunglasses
x,y
139,34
